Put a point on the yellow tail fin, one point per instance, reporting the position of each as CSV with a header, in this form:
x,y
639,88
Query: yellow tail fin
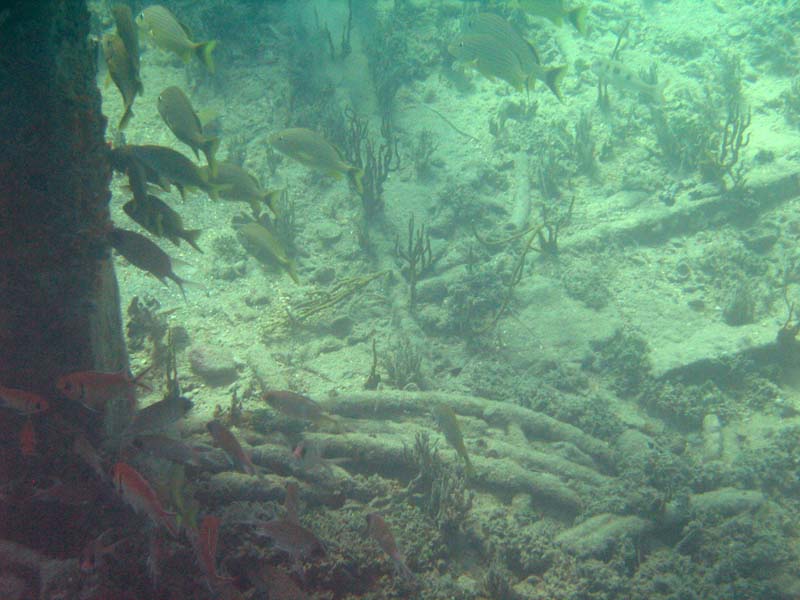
x,y
203,51
357,178
553,78
578,18
210,147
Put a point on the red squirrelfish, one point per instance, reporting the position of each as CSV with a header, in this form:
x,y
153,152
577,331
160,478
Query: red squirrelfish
x,y
22,401
94,552
223,438
84,450
291,503
275,582
95,389
70,494
135,490
27,439
379,531
309,458
205,547
156,557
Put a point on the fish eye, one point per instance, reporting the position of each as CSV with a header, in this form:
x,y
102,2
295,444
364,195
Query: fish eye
x,y
67,385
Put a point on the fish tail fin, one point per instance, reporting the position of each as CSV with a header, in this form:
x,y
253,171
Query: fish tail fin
x,y
191,236
356,176
530,84
212,189
553,78
292,272
469,470
126,116
203,51
137,381
215,189
658,94
210,147
255,206
403,569
170,523
180,282
271,198
333,422
577,17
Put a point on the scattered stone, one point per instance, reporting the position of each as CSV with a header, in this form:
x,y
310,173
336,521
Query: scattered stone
x,y
329,232
341,327
324,275
255,299
215,366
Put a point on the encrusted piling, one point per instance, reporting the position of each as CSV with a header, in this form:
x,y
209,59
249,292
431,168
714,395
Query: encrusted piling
x,y
59,308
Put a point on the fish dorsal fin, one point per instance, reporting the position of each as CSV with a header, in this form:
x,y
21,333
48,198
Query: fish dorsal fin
x,y
186,30
207,114
533,51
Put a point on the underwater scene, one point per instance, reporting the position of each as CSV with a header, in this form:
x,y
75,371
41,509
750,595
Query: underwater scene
x,y
437,300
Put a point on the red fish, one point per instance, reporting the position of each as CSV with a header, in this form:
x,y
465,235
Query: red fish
x,y
205,546
291,503
379,531
22,401
156,557
27,439
299,451
70,494
85,451
94,389
223,438
308,457
94,552
275,582
135,490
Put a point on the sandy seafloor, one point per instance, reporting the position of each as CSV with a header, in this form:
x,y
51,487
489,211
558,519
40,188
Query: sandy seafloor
x,y
676,474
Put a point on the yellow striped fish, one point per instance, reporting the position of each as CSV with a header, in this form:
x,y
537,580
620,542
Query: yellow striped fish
x,y
505,34
313,150
490,58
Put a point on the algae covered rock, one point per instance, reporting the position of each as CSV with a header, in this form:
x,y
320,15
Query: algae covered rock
x,y
600,534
